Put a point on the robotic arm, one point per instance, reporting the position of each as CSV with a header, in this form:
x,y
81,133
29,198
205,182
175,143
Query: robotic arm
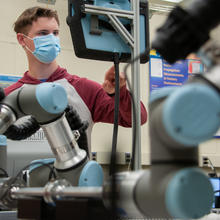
x,y
46,102
174,187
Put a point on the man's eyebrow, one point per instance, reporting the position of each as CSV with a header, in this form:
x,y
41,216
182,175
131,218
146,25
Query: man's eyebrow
x,y
42,30
46,30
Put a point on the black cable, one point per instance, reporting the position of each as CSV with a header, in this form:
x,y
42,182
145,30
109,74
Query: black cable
x,y
30,126
145,53
5,174
35,163
116,114
112,170
14,179
76,123
212,167
2,94
23,130
52,172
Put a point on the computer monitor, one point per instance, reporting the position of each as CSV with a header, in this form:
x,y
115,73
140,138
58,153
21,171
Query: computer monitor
x,y
216,186
94,37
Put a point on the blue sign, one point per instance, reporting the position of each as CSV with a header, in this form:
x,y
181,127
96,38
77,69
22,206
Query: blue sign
x,y
7,80
164,74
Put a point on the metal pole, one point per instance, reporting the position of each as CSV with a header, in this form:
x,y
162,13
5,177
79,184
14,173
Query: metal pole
x,y
122,31
135,70
71,192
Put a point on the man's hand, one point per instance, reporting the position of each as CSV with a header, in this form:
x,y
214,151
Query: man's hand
x,y
109,81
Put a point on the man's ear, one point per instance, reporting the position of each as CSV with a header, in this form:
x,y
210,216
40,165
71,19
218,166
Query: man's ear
x,y
20,38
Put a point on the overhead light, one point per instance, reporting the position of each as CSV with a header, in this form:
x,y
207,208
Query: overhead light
x,y
162,6
174,1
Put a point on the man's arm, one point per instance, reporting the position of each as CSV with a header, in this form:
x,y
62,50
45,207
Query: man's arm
x,y
109,81
101,104
125,99
103,110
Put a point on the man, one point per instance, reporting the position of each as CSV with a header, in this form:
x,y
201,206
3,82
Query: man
x,y
37,32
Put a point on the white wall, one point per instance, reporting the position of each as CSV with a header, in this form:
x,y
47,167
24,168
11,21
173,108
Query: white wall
x,y
13,61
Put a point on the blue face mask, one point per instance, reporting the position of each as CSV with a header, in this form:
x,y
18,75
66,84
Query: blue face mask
x,y
47,48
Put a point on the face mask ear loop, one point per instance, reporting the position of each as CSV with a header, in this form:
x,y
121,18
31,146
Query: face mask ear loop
x,y
26,45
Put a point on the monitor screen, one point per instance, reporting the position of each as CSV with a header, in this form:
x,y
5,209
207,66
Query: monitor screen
x,y
216,186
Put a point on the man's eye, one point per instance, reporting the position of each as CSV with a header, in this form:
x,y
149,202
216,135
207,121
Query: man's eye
x,y
43,33
55,33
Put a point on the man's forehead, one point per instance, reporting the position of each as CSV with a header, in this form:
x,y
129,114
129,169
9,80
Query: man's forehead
x,y
44,23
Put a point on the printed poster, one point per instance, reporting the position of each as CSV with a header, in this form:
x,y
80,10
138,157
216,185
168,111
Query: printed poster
x,y
164,74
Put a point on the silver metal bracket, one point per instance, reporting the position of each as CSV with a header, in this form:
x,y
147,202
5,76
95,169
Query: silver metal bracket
x,y
133,40
113,15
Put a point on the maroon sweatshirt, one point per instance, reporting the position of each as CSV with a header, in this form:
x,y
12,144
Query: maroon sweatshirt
x,y
88,98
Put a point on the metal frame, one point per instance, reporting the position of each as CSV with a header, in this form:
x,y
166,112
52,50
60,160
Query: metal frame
x,y
134,43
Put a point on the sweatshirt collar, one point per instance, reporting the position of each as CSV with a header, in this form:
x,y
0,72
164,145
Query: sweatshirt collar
x,y
59,73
